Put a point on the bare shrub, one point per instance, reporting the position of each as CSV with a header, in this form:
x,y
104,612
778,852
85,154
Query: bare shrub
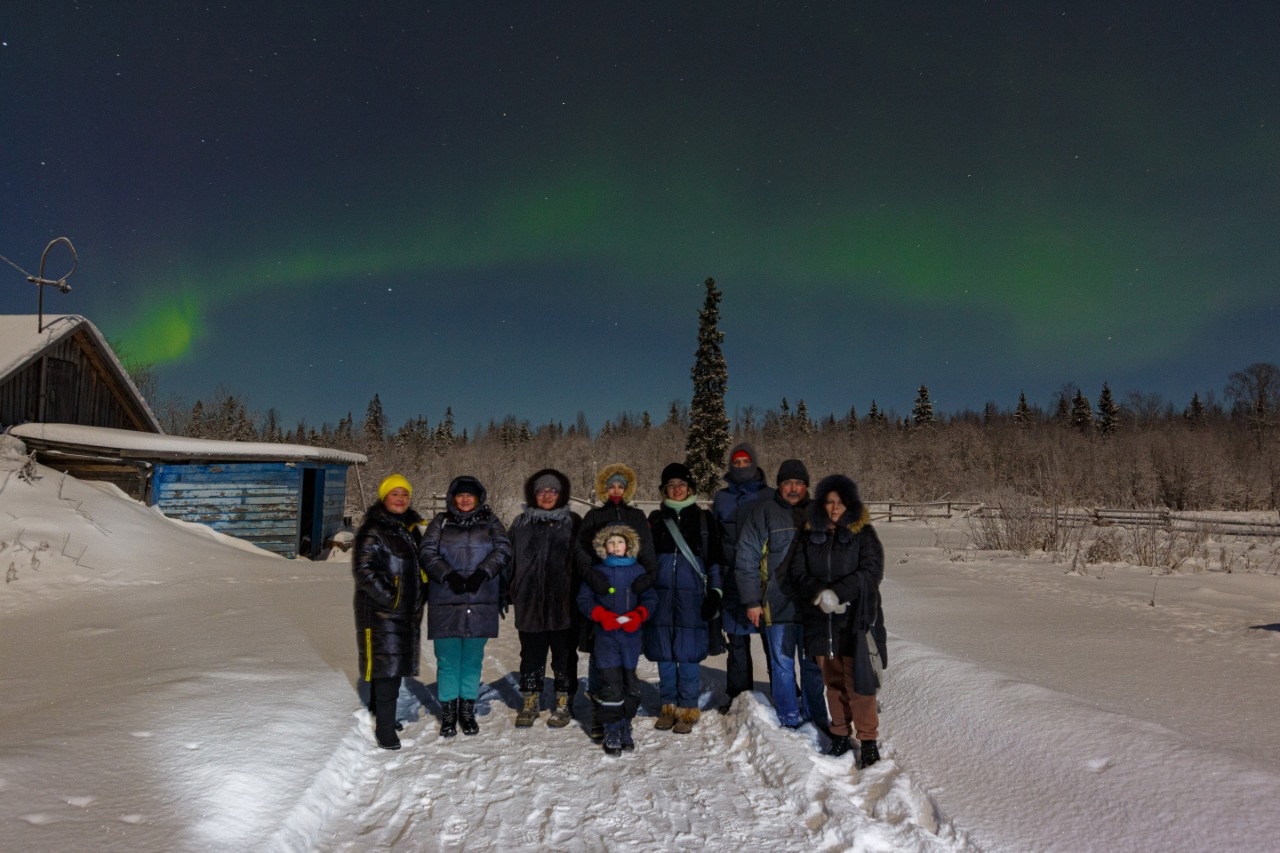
x,y
1107,548
1161,547
1014,523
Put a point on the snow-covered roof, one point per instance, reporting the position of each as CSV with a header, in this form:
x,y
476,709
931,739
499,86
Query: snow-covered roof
x,y
131,444
21,343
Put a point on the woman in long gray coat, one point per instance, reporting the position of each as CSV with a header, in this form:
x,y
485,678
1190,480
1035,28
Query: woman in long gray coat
x,y
464,552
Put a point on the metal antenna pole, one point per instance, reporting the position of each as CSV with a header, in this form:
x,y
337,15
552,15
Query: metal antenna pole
x,y
61,283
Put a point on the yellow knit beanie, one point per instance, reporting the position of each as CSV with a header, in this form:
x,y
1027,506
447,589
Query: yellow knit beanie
x,y
394,481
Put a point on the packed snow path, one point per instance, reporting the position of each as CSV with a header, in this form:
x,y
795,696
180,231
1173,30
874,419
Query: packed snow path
x,y
165,688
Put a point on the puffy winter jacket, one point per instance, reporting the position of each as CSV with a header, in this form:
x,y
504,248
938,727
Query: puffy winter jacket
x,y
466,543
676,631
731,506
849,561
617,648
769,530
390,593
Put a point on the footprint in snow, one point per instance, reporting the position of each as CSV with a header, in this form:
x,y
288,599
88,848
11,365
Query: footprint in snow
x,y
38,818
133,819
140,734
1098,765
82,802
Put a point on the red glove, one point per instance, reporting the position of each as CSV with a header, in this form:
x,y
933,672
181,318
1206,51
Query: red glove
x,y
634,620
607,619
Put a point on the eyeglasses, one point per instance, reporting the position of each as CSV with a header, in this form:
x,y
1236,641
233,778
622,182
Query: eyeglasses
x,y
547,492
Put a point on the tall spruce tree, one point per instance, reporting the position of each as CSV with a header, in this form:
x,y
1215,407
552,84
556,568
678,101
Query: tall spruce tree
x,y
375,425
1108,412
1022,415
1194,413
922,411
1081,413
708,436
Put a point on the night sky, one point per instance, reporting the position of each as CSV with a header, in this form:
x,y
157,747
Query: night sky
x,y
510,208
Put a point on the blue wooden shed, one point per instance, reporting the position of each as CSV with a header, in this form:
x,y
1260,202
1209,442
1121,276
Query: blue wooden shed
x,y
286,498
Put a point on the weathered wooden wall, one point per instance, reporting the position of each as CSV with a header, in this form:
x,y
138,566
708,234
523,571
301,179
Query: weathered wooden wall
x,y
255,501
96,397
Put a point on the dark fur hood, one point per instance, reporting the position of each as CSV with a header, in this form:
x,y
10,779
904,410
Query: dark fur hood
x,y
482,500
856,515
530,498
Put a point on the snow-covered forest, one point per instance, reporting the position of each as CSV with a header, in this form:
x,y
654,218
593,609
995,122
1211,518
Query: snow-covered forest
x,y
1216,452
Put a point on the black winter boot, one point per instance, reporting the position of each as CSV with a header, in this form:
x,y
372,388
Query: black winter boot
x,y
467,716
628,741
382,697
840,744
449,718
613,738
870,753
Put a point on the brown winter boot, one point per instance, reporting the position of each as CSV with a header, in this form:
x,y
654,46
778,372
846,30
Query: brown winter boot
x,y
666,719
528,713
562,713
685,718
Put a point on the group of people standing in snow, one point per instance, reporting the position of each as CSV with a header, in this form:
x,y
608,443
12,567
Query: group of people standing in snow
x,y
802,572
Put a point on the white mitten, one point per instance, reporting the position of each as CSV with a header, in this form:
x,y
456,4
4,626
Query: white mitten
x,y
828,602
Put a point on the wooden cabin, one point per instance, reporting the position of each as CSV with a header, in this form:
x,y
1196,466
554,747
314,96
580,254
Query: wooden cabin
x,y
65,373
286,498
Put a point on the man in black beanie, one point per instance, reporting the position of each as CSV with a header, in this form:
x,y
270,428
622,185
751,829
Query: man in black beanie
x,y
764,539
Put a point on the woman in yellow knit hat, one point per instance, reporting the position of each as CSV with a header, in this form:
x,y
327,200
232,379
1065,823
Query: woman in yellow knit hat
x,y
391,591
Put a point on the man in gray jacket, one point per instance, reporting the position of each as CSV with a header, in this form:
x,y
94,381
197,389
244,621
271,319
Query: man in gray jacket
x,y
764,541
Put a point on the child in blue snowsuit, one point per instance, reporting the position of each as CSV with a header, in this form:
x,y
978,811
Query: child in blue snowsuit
x,y
618,614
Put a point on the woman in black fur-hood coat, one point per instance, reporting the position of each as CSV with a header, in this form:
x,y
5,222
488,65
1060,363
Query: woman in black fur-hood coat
x,y
545,581
844,557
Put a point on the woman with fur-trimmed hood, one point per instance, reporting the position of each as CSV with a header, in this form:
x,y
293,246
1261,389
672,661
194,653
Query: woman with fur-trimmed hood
x,y
835,567
615,487
544,583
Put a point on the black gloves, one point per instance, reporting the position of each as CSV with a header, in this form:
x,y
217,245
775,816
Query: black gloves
x,y
456,582
711,604
475,580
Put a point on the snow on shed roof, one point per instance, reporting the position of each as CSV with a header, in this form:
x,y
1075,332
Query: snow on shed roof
x,y
21,342
130,444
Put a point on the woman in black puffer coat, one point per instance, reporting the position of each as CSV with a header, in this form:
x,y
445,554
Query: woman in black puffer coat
x,y
544,588
390,594
835,567
465,552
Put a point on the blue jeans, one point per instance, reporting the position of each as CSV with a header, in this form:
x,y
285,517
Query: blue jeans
x,y
458,665
680,684
785,644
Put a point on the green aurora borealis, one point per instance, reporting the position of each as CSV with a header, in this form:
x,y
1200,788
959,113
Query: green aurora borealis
x,y
982,202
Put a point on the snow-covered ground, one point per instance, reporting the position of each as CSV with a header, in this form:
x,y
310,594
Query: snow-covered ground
x,y
167,688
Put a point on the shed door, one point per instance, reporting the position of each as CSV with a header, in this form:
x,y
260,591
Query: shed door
x,y
60,391
311,513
